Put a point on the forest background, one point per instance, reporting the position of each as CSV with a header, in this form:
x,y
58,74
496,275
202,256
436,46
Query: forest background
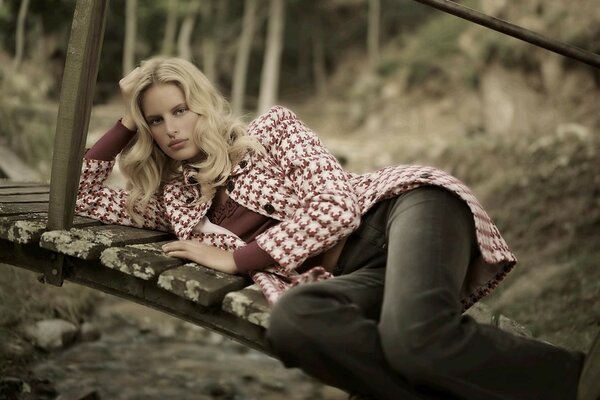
x,y
383,82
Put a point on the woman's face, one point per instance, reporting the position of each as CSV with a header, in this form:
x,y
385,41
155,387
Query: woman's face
x,y
171,122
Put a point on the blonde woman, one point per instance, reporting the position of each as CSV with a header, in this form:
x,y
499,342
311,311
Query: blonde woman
x,y
368,274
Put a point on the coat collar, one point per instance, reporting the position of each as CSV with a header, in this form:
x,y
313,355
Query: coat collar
x,y
189,171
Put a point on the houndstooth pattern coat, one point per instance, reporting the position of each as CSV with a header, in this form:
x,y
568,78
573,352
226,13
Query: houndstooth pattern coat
x,y
298,182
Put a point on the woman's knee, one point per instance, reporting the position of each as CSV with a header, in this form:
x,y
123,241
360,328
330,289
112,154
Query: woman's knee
x,y
293,320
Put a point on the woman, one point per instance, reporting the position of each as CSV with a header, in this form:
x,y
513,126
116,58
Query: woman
x,y
410,247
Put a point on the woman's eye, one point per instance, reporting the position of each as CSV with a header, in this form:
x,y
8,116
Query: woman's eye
x,y
154,121
180,111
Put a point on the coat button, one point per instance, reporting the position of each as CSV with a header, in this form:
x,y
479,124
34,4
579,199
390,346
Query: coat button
x,y
243,163
269,208
230,185
425,175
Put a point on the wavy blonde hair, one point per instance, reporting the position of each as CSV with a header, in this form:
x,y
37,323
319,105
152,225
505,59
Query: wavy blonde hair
x,y
218,134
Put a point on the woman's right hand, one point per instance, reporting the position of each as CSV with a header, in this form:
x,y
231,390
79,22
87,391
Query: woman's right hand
x,y
127,85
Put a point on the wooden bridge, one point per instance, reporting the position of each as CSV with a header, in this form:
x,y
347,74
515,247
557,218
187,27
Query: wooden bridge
x,y
128,262
39,232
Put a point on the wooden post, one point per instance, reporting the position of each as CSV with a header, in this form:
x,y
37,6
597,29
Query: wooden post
x,y
77,92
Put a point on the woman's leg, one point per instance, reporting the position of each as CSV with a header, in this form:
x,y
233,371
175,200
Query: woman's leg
x,y
329,328
424,335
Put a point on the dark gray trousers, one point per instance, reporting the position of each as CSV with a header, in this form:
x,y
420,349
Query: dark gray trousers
x,y
391,324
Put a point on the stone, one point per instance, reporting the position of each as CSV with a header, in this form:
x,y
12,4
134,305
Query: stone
x,y
88,332
51,334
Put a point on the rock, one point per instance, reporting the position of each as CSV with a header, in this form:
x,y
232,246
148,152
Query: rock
x,y
51,334
80,394
11,388
88,332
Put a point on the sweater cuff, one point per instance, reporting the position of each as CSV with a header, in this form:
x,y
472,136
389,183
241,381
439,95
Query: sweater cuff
x,y
252,257
111,143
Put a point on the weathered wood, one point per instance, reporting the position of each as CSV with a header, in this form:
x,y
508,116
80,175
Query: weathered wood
x,y
88,243
146,261
28,228
248,304
200,284
22,208
94,275
7,183
25,198
24,190
76,96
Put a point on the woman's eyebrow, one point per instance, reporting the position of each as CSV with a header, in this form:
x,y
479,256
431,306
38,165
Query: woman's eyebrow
x,y
172,109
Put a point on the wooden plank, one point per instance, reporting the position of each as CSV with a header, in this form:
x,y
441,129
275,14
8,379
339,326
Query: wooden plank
x,y
76,97
25,190
22,208
28,228
89,243
25,198
200,284
248,304
6,183
92,274
145,261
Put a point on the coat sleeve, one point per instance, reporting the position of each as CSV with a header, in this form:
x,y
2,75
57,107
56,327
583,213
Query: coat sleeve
x,y
97,201
328,208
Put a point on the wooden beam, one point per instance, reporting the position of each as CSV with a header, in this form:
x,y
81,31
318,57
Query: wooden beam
x,y
77,92
75,106
515,31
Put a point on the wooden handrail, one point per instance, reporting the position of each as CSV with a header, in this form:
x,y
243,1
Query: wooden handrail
x,y
76,96
515,31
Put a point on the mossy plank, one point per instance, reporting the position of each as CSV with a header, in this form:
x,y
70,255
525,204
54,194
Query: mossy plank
x,y
22,208
27,228
142,263
200,284
248,304
25,198
24,190
89,243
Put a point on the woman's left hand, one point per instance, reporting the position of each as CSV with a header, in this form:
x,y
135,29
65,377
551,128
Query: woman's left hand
x,y
207,256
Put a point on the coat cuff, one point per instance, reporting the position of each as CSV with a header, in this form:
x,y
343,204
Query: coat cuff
x,y
251,257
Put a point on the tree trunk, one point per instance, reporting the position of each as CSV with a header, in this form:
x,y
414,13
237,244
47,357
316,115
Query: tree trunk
x,y
269,80
20,34
319,69
168,43
373,31
130,34
184,45
209,42
243,57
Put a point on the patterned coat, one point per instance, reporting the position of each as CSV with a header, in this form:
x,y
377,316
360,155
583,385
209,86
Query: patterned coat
x,y
298,182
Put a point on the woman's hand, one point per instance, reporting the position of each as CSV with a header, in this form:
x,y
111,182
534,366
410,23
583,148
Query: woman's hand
x,y
127,85
208,256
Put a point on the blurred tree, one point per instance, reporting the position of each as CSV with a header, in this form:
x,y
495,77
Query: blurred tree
x,y
130,36
184,41
373,31
243,56
269,80
20,34
168,42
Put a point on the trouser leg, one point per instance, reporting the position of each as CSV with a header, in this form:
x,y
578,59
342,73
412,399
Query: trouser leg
x,y
424,335
329,330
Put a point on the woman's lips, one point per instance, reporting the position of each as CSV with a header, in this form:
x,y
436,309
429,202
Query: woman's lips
x,y
177,144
